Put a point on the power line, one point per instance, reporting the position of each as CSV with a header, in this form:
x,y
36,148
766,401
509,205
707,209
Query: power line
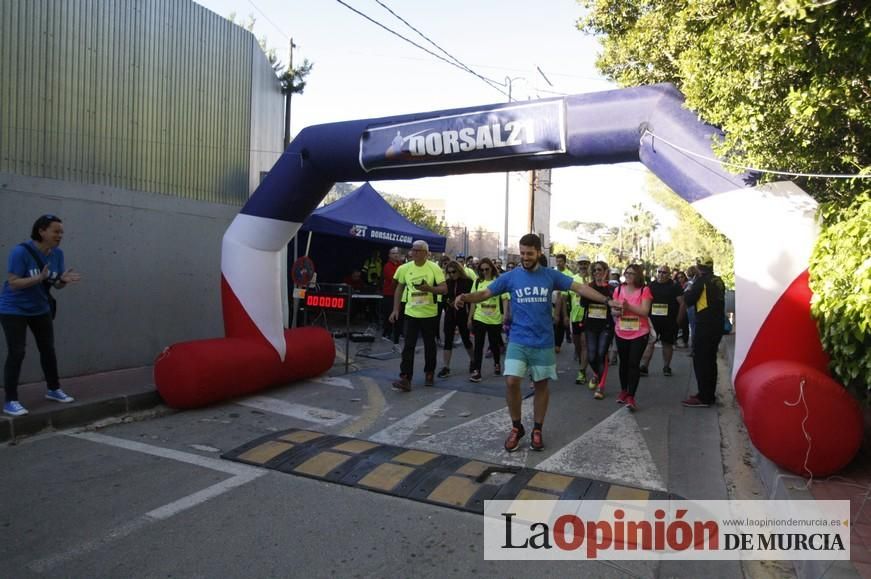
x,y
428,51
431,41
274,25
753,169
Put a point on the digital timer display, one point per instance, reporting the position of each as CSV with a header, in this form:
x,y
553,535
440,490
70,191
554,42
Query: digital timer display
x,y
325,302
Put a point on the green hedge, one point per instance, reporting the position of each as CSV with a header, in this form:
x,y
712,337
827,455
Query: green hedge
x,y
840,278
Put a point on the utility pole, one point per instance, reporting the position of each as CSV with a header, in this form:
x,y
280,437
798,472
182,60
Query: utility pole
x,y
287,96
532,201
532,176
509,81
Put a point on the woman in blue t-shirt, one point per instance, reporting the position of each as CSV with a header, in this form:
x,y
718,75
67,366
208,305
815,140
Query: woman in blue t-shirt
x,y
34,268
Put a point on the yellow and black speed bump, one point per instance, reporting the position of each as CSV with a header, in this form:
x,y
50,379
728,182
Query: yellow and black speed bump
x,y
441,479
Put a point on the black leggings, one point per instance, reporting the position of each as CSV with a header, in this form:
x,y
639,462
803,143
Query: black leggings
x,y
630,352
494,334
598,342
459,320
15,329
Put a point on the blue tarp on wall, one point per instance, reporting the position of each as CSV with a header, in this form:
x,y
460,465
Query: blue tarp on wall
x,y
364,215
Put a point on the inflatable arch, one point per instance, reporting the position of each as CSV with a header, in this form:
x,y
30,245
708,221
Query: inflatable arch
x,y
790,403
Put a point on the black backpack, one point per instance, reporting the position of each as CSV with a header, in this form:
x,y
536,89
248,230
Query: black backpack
x,y
46,285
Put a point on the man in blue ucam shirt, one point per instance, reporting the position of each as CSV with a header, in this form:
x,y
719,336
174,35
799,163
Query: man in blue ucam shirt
x,y
530,347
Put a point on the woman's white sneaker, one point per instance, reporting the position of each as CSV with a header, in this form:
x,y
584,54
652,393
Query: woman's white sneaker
x,y
59,396
14,408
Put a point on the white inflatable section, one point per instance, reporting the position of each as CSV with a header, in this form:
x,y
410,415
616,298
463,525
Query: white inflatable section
x,y
773,228
285,305
252,261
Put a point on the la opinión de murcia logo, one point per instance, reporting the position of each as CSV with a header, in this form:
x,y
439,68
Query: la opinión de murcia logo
x,y
570,533
636,530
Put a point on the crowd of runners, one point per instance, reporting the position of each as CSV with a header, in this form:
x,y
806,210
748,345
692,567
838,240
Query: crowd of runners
x,y
519,314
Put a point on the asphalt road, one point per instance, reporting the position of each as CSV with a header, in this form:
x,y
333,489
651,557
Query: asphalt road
x,y
152,497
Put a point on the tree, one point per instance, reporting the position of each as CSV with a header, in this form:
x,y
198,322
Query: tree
x,y
569,225
292,80
693,236
789,81
336,192
418,214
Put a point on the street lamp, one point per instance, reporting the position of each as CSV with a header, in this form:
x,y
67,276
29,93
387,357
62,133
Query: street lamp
x,y
509,81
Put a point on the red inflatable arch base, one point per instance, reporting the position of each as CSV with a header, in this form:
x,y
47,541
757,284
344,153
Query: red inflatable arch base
x,y
778,397
203,372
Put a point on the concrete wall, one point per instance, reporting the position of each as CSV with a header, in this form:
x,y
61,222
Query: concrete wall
x,y
150,268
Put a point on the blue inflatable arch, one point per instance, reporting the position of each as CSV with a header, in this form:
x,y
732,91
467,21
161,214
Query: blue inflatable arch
x,y
606,127
772,227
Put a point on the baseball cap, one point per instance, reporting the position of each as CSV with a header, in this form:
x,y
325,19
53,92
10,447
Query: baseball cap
x,y
705,261
583,258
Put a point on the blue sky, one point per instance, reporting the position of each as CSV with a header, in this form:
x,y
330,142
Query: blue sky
x,y
363,71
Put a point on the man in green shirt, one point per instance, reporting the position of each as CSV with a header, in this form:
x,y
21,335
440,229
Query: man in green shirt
x,y
422,280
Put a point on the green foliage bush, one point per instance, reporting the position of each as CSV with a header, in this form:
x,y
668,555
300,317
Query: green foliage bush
x,y
789,81
840,277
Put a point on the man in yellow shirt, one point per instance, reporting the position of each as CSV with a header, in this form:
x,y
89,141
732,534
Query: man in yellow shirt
x,y
372,268
422,279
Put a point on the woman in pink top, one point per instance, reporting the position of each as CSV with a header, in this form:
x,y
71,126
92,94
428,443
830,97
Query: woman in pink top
x,y
631,327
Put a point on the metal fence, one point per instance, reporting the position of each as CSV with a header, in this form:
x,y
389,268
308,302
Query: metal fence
x,y
149,95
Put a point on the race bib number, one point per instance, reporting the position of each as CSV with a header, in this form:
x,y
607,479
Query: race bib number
x,y
420,299
659,310
630,323
488,310
598,312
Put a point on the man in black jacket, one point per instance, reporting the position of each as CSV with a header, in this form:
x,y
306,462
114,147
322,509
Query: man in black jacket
x,y
708,295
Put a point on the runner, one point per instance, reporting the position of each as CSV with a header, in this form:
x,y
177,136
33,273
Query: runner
x,y
598,329
530,349
485,320
576,316
424,279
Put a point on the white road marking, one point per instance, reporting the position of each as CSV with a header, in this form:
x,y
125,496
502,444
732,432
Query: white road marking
x,y
294,410
199,497
233,468
481,438
128,528
205,448
334,381
242,474
400,431
613,450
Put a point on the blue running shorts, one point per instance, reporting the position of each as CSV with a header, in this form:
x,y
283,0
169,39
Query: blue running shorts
x,y
523,361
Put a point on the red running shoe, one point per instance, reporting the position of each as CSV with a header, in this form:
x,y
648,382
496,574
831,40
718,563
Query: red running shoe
x,y
402,385
536,442
694,402
512,443
630,403
621,398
